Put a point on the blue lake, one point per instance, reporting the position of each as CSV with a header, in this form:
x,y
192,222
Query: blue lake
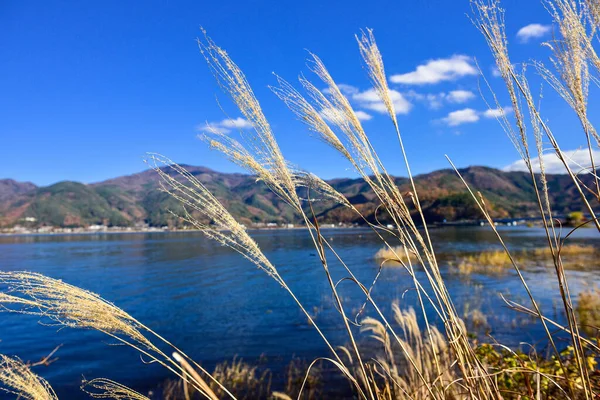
x,y
214,305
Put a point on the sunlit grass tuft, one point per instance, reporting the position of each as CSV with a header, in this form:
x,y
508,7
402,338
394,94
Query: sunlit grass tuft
x,y
394,256
588,311
494,262
17,378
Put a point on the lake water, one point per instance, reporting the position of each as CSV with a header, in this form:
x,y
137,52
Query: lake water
x,y
214,305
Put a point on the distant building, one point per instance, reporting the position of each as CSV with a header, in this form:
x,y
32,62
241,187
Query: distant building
x,y
97,228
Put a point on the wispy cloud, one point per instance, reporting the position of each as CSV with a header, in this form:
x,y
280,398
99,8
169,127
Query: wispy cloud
x,y
577,160
369,100
438,70
437,100
460,117
532,31
497,112
225,126
363,116
460,96
469,115
348,89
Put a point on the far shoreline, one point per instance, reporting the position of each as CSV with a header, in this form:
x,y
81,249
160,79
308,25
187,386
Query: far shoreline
x,y
109,231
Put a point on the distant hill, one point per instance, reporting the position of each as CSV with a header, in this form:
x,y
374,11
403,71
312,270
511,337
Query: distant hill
x,y
132,199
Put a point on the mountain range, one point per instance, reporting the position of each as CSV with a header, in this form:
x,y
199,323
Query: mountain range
x,y
136,199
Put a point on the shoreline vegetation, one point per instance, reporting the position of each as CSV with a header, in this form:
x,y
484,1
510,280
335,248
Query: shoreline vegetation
x,y
429,351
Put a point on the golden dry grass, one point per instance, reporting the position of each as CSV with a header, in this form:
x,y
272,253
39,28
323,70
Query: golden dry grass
x,y
497,262
428,350
243,380
69,305
398,255
588,311
102,388
494,262
16,378
568,250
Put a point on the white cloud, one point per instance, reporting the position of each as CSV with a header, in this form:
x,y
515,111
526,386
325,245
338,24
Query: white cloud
x,y
497,112
363,116
436,101
348,89
434,71
239,123
469,115
459,117
226,125
370,100
532,31
577,160
460,96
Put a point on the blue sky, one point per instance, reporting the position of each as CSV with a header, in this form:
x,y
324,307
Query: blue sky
x,y
89,87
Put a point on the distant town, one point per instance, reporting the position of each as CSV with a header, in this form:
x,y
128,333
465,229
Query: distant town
x,y
143,227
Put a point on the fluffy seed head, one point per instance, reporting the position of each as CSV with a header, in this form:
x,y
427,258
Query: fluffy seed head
x,y
67,305
262,145
102,388
197,199
16,378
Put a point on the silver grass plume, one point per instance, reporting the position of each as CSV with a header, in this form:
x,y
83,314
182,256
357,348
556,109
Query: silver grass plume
x,y
374,62
102,388
18,379
196,198
263,147
68,305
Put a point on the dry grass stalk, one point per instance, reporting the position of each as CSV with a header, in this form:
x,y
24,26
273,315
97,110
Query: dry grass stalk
x,y
243,379
570,61
571,65
224,229
197,198
102,388
70,306
67,305
262,148
16,378
403,382
363,156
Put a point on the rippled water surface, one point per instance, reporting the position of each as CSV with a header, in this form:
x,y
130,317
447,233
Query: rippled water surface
x,y
214,305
